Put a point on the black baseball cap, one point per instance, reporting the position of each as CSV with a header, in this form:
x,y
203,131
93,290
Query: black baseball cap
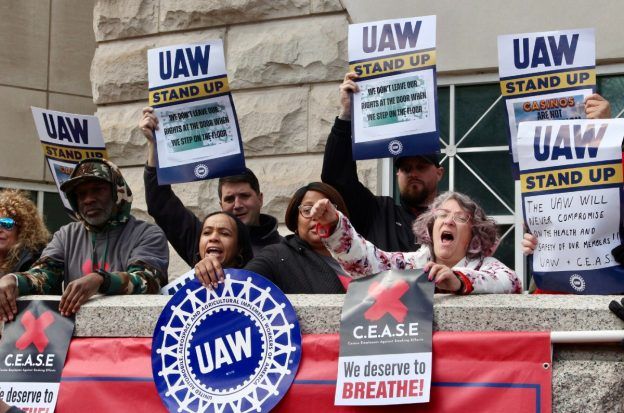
x,y
432,158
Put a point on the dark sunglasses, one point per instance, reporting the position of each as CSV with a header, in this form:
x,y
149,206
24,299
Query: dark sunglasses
x,y
7,223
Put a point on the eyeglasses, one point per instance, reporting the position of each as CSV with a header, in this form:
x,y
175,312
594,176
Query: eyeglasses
x,y
458,217
305,210
7,223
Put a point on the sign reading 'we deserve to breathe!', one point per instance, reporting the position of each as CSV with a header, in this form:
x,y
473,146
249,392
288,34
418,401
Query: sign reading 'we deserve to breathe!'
x,y
198,135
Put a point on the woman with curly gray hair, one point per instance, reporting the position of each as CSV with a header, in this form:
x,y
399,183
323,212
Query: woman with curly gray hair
x,y
457,242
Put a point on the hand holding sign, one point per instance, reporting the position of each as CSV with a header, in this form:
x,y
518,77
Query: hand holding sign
x,y
597,107
347,89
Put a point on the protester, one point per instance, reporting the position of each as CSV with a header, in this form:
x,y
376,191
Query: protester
x,y
238,194
223,243
300,263
22,232
107,251
457,239
378,218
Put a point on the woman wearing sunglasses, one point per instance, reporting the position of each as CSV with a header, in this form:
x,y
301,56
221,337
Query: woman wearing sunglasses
x,y
22,232
457,242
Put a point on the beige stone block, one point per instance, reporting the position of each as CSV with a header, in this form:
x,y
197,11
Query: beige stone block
x,y
188,14
72,45
273,121
324,107
303,50
24,158
125,143
24,43
119,69
324,6
114,19
70,104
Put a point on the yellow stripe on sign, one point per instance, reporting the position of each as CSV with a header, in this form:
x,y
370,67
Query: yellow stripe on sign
x,y
567,178
63,153
552,81
189,91
394,64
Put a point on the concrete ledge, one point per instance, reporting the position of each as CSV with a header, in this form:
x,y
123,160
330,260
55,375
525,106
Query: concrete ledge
x,y
586,378
135,316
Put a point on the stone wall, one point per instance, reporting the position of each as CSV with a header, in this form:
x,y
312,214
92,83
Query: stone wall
x,y
285,60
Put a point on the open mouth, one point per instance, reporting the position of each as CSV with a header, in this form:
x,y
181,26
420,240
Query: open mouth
x,y
216,251
447,237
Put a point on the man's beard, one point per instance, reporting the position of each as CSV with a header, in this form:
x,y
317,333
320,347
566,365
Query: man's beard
x,y
415,198
101,218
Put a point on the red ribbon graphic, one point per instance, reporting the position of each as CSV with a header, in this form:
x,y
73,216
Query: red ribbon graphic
x,y
35,331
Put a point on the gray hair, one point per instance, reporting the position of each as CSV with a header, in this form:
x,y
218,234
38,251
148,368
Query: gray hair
x,y
484,231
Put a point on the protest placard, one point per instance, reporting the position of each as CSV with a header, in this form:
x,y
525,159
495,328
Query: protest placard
x,y
32,355
395,111
545,76
66,139
571,184
385,340
198,135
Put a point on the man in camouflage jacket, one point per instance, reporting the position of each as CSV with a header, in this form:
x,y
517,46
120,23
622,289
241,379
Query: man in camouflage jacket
x,y
106,251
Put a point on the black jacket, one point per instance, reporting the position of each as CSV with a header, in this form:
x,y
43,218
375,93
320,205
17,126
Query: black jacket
x,y
377,218
295,268
183,228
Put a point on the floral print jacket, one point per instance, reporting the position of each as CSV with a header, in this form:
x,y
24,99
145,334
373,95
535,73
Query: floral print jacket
x,y
359,258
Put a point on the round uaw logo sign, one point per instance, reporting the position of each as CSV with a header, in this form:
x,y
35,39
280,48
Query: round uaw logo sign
x,y
395,147
201,171
233,349
577,282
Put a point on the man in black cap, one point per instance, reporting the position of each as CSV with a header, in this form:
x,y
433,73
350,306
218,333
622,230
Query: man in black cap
x,y
378,218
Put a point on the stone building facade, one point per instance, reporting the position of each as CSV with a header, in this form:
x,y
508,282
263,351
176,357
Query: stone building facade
x,y
285,60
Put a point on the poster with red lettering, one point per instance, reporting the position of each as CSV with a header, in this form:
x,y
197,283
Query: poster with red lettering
x,y
385,340
32,355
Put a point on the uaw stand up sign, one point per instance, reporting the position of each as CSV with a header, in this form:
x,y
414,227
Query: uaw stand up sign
x,y
233,349
385,340
32,356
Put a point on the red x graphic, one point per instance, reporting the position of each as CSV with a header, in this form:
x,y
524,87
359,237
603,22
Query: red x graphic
x,y
35,331
387,300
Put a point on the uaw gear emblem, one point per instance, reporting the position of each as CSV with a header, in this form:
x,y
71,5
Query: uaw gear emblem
x,y
233,349
201,171
395,147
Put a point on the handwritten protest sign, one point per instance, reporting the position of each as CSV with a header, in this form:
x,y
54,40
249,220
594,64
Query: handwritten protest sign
x,y
67,139
198,135
571,183
545,76
385,340
395,111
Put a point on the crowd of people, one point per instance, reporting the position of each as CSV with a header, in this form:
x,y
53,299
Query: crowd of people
x,y
340,230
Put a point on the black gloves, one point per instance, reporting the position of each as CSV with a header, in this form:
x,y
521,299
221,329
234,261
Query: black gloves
x,y
618,253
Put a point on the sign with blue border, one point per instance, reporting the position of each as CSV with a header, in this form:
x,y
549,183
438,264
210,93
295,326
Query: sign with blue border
x,y
232,349
395,111
571,185
198,136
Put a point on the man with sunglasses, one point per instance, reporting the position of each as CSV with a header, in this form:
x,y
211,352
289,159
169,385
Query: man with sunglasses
x,y
378,218
106,251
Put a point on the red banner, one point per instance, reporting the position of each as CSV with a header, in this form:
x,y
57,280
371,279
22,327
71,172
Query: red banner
x,y
488,371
